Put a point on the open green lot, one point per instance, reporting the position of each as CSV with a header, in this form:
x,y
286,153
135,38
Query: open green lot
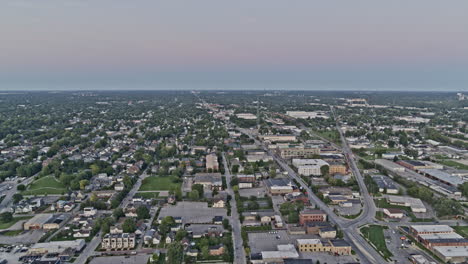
x,y
11,233
45,185
4,225
462,230
374,234
453,164
160,183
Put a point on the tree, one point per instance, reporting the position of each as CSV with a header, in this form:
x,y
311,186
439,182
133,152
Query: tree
x,y
6,217
21,187
142,212
464,189
93,197
166,223
127,181
83,184
205,252
199,188
129,226
252,205
226,223
175,253
95,169
325,170
17,197
118,212
181,233
193,195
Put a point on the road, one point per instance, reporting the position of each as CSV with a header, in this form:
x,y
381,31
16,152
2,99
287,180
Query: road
x,y
366,253
91,246
88,251
9,193
239,253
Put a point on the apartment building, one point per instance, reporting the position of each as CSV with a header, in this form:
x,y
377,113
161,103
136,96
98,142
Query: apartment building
x,y
118,241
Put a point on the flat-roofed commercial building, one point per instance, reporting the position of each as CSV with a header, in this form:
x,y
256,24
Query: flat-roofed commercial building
x,y
279,186
278,138
413,164
385,184
417,230
212,162
390,165
415,204
312,216
37,222
57,246
336,167
442,177
298,151
277,256
452,254
305,115
336,246
435,240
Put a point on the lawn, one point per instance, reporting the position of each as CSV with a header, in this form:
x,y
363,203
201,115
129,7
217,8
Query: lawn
x,y
330,135
462,230
45,185
147,195
374,234
11,233
4,225
382,203
454,164
159,183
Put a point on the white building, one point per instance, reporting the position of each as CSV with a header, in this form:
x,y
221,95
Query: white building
x,y
309,167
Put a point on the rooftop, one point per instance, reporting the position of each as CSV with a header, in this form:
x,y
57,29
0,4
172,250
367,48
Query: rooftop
x,y
432,228
452,251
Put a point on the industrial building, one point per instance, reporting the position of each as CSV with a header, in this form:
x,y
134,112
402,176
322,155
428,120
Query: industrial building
x,y
385,184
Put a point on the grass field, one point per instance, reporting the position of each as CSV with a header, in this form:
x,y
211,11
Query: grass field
x,y
374,233
462,230
158,183
382,203
453,164
45,185
147,195
11,233
4,225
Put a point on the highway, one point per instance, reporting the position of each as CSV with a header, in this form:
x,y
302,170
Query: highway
x,y
239,253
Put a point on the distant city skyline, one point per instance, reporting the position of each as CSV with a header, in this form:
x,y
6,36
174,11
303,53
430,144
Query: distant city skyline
x,y
243,45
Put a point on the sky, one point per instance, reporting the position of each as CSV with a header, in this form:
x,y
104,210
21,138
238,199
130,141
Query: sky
x,y
244,44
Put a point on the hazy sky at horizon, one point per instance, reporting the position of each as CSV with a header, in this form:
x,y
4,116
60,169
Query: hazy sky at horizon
x,y
214,44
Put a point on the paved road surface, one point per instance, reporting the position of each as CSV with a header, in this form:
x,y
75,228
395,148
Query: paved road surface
x,y
239,253
91,246
366,253
9,193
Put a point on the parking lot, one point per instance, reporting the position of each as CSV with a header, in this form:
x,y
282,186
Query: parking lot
x,y
257,192
193,212
29,237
